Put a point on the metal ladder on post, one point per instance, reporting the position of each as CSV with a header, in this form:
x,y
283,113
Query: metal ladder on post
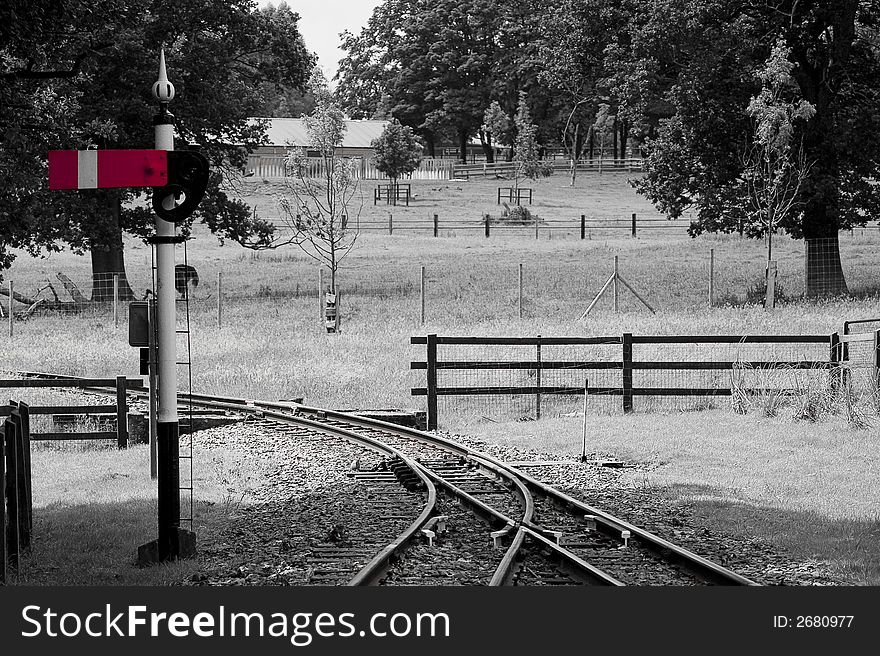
x,y
184,359
185,453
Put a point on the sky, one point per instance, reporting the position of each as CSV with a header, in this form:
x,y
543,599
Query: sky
x,y
321,21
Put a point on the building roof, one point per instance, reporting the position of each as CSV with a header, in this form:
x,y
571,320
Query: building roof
x,y
287,131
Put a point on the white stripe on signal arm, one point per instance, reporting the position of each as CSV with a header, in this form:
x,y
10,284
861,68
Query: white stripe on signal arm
x,y
87,169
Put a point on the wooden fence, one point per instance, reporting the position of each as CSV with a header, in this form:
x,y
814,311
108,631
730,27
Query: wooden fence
x,y
16,501
625,364
119,409
506,169
274,166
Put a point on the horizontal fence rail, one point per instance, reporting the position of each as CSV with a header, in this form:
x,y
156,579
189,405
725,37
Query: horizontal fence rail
x,y
119,410
622,362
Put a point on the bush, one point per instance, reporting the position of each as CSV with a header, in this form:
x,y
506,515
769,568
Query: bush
x,y
518,214
547,170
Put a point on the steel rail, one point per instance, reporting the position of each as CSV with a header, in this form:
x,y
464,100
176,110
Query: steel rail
x,y
611,525
698,565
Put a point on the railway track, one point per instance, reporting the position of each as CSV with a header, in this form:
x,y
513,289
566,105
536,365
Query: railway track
x,y
507,526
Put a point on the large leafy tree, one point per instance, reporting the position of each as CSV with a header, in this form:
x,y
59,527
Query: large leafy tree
x,y
70,80
699,58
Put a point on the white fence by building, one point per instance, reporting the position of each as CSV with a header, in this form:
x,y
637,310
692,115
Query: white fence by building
x,y
273,166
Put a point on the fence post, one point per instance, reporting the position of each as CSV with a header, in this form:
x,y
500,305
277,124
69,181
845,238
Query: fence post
x,y
634,225
390,224
586,394
431,382
219,299
520,290
627,373
121,414
4,427
711,277
321,294
116,300
14,502
876,363
536,226
616,296
487,226
583,226
770,297
436,225
422,296
25,414
21,481
538,379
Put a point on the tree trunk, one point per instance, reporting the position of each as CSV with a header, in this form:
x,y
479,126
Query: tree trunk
x,y
462,146
108,260
488,150
614,129
592,141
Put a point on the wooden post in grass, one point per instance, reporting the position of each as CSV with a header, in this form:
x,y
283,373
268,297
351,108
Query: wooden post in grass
x,y
770,298
711,277
586,393
487,225
121,414
422,296
627,377
536,226
436,225
634,225
583,226
219,299
614,285
876,361
13,500
321,293
431,382
390,224
5,427
520,290
116,300
538,379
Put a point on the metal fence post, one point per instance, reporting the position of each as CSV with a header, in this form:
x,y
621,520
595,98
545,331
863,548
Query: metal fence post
x,y
520,290
711,277
219,299
614,286
536,223
121,414
390,224
431,382
538,379
321,294
436,225
422,296
627,372
583,226
634,230
116,300
487,225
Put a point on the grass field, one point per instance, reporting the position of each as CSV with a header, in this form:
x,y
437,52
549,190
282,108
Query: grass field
x,y
808,487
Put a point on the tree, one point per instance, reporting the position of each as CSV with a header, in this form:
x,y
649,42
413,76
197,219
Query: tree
x,y
496,127
526,158
318,210
603,126
697,58
70,81
578,33
397,153
773,171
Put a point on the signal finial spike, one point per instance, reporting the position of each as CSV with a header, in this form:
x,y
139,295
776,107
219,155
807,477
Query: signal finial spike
x,y
163,90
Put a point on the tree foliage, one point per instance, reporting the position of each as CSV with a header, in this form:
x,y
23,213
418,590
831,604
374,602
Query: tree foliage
x,y
398,153
318,208
78,73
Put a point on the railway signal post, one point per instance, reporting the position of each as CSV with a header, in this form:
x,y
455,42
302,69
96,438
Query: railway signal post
x,y
173,542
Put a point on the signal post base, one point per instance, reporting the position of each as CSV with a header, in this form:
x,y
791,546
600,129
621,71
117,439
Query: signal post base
x,y
184,548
